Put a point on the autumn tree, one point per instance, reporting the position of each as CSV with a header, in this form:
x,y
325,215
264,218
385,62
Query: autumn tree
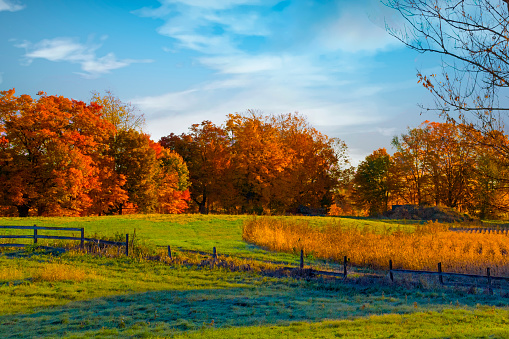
x,y
260,160
136,161
318,163
259,163
411,162
124,116
205,150
436,163
172,181
50,151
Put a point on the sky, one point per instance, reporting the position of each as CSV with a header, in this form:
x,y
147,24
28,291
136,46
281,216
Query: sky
x,y
184,61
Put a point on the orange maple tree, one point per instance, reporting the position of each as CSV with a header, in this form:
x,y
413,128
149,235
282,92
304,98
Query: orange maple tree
x,y
51,150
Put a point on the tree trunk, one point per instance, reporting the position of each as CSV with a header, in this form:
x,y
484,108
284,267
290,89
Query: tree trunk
x,y
203,209
23,210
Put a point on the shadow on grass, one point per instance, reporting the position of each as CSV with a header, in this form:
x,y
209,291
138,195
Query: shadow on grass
x,y
268,303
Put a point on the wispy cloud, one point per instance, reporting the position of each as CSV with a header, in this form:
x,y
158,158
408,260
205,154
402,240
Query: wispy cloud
x,y
10,6
209,26
70,50
306,56
242,64
357,28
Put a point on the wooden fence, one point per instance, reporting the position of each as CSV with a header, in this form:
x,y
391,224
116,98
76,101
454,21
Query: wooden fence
x,y
310,271
35,236
441,274
483,230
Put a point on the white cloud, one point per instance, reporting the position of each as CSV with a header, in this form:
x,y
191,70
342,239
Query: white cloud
x,y
167,6
388,132
208,26
174,101
242,64
10,6
69,50
355,31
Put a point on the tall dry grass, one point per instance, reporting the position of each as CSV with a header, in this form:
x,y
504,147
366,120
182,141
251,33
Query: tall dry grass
x,y
51,272
421,250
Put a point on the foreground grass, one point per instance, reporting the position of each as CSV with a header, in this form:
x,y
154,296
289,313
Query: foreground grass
x,y
124,297
446,324
77,295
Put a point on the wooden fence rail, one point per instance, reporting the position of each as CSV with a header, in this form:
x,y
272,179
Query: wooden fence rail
x,y
37,236
489,278
482,230
214,256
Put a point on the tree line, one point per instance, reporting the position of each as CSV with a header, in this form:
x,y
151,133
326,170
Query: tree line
x,y
257,163
437,164
60,156
64,157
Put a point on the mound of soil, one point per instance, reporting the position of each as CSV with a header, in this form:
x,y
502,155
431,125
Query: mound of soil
x,y
434,213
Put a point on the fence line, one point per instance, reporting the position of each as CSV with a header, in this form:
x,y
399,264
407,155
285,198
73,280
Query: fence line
x,y
481,230
214,256
37,236
489,278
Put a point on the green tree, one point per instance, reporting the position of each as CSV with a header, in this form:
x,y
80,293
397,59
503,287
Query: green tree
x,y
372,183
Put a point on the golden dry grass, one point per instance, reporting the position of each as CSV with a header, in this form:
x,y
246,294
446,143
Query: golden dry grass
x,y
51,272
421,250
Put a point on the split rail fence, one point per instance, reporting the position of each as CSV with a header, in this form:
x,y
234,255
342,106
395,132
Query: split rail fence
x,y
441,274
35,236
483,230
301,263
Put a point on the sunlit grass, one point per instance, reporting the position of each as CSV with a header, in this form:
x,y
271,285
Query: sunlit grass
x,y
46,272
449,324
422,249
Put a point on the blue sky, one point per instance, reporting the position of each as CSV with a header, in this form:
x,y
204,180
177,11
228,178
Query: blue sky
x,y
183,61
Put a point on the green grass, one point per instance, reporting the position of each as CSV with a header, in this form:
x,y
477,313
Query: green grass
x,y
130,298
122,297
446,324
191,231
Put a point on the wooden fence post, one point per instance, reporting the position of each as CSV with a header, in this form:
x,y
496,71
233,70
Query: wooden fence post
x,y
440,277
127,245
301,266
214,253
35,234
82,237
344,267
390,270
169,251
488,275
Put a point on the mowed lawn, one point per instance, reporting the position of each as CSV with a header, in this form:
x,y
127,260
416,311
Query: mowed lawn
x,y
80,295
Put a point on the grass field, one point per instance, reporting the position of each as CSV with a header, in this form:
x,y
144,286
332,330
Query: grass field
x,y
81,295
191,231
